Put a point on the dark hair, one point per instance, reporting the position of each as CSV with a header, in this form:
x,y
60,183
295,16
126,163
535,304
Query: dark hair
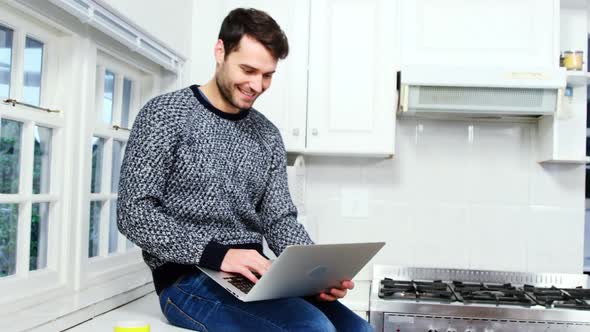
x,y
256,24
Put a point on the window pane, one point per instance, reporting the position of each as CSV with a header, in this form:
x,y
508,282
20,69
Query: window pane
x,y
39,231
10,144
8,232
42,160
117,157
33,64
97,152
109,91
126,103
113,230
5,61
94,228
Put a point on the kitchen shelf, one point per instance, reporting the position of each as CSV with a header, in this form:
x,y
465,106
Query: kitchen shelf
x,y
578,78
585,160
347,153
574,4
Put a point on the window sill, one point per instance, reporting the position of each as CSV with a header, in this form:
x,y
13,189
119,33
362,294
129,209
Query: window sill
x,y
71,308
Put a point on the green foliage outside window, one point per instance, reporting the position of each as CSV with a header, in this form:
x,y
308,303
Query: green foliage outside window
x,y
10,145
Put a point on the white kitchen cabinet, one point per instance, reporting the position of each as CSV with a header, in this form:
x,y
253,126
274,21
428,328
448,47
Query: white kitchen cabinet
x,y
335,92
352,77
480,32
284,103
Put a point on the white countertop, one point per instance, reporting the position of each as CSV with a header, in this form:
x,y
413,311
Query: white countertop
x,y
145,309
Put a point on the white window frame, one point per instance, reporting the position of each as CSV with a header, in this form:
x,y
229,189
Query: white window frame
x,y
70,57
101,268
25,283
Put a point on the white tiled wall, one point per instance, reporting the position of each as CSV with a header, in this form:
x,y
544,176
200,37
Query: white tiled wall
x,y
587,241
457,194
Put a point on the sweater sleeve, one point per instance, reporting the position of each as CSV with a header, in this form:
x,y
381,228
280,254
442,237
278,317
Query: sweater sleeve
x,y
141,215
277,211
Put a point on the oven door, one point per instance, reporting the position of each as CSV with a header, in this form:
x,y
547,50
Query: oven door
x,y
398,322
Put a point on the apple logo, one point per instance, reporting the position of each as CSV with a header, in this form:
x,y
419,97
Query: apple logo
x,y
318,272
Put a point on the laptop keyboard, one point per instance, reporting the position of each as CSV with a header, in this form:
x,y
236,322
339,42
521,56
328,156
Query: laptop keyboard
x,y
242,283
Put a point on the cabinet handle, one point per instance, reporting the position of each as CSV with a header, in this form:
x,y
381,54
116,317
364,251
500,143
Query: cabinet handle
x,y
296,132
314,131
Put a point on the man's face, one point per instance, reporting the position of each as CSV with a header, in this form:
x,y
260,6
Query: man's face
x,y
245,73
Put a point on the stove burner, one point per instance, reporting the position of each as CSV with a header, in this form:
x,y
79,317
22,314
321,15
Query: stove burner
x,y
416,290
569,298
485,293
491,293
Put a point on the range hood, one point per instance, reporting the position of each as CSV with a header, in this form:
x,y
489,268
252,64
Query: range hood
x,y
476,92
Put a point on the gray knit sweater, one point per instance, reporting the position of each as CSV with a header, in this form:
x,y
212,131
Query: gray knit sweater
x,y
196,181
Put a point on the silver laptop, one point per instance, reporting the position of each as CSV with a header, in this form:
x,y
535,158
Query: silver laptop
x,y
301,271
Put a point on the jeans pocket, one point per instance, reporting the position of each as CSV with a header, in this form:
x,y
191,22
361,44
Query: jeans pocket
x,y
178,317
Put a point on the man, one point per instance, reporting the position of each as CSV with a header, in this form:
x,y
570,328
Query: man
x,y
204,179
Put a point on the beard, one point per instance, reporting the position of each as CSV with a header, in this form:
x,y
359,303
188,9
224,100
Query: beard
x,y
225,91
225,88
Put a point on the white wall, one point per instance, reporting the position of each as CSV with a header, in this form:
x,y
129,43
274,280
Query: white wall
x,y
457,194
209,16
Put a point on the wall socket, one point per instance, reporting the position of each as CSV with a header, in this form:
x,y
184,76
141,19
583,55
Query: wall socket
x,y
354,202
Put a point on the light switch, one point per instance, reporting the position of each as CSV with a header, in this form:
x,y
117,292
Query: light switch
x,y
354,202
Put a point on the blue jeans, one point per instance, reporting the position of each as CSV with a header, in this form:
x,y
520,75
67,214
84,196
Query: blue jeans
x,y
198,303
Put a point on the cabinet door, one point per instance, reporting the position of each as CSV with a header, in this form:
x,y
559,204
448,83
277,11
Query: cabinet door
x,y
284,103
352,77
480,32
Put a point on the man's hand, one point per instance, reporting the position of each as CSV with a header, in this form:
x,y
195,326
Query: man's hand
x,y
244,262
336,293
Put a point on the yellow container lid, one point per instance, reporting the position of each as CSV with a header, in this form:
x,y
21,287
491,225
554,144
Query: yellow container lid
x,y
132,326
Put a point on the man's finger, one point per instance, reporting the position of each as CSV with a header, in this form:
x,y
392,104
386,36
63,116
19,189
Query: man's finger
x,y
248,274
339,293
265,263
257,267
348,284
258,262
327,297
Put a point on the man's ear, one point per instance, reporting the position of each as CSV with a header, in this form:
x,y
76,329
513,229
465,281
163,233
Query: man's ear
x,y
219,50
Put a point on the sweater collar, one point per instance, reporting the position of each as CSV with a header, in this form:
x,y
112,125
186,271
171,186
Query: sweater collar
x,y
205,102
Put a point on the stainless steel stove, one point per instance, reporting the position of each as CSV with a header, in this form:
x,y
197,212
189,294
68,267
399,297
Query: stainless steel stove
x,y
451,300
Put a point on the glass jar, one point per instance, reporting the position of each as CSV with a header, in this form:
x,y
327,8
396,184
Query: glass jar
x,y
573,60
578,60
561,60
